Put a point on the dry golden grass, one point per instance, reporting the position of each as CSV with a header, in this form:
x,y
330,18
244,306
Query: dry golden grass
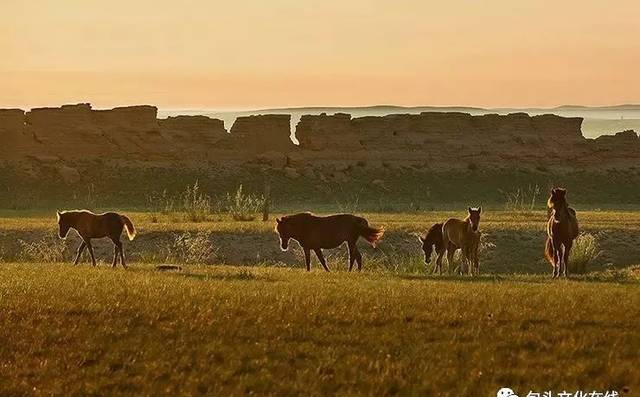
x,y
223,330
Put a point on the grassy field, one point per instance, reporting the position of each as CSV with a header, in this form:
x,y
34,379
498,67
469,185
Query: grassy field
x,y
243,318
222,330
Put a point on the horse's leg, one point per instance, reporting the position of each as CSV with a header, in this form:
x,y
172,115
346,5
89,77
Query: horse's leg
x,y
81,248
565,260
465,266
116,252
451,250
358,258
90,247
121,254
557,258
318,252
352,258
475,261
307,258
438,264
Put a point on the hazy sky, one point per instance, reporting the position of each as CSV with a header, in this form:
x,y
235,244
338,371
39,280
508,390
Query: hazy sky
x,y
262,53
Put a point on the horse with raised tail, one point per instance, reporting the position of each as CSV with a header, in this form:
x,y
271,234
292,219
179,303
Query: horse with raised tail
x,y
90,226
318,232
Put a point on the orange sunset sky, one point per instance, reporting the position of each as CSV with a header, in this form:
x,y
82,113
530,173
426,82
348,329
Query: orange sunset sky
x,y
197,54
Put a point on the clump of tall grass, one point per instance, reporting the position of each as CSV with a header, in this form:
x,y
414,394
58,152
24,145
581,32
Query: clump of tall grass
x,y
244,206
44,250
192,205
585,251
521,199
190,247
196,204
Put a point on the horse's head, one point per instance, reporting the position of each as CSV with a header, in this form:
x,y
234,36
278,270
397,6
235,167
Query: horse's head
x,y
282,227
474,217
63,225
427,248
558,197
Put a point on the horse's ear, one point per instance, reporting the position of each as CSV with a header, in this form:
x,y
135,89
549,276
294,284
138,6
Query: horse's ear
x,y
480,210
469,209
58,215
278,220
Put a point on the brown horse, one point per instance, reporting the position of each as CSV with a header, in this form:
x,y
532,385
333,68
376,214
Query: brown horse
x,y
318,232
90,225
432,239
462,234
562,229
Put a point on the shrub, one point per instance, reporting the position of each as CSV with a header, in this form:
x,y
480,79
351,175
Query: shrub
x,y
243,206
44,250
585,251
192,248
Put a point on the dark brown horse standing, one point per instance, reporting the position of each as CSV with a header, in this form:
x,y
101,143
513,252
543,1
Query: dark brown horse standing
x,y
562,229
318,232
431,240
90,226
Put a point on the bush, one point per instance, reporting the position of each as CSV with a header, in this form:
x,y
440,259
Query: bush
x,y
44,250
196,205
192,248
244,207
585,251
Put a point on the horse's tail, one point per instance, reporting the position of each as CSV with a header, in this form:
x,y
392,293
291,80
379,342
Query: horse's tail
x,y
548,250
371,234
131,230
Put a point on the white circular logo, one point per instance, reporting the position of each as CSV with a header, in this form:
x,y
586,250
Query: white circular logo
x,y
506,392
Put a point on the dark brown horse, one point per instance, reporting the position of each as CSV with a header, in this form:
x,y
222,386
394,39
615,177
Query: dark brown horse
x,y
562,229
432,239
318,232
90,225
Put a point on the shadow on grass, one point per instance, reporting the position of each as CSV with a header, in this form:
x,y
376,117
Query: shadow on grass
x,y
226,276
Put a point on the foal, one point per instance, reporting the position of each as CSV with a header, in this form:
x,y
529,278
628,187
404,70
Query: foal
x,y
318,232
432,239
89,226
462,234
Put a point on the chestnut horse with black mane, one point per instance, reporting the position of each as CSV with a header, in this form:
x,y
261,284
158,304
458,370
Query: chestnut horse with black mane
x,y
318,232
562,229
90,225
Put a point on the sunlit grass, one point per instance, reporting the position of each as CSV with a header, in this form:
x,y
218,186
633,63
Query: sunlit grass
x,y
269,331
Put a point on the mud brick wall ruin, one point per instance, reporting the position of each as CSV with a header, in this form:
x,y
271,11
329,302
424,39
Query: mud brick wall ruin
x,y
135,135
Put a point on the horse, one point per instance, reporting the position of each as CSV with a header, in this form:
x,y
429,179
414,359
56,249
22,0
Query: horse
x,y
458,233
90,226
318,232
471,252
433,238
562,229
